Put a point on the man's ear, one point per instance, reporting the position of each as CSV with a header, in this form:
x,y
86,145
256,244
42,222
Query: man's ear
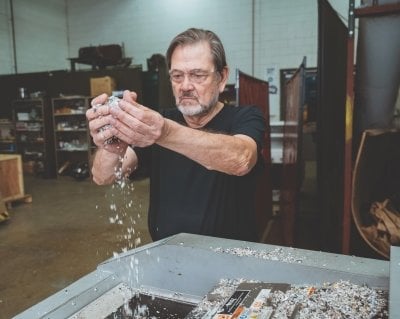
x,y
224,78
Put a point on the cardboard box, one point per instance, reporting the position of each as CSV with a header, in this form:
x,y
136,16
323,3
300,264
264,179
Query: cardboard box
x,y
105,84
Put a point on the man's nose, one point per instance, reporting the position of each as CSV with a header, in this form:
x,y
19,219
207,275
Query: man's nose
x,y
187,84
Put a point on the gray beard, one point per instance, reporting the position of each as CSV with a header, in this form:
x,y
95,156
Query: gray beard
x,y
193,110
198,109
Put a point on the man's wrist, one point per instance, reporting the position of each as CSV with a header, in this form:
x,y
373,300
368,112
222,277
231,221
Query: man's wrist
x,y
165,131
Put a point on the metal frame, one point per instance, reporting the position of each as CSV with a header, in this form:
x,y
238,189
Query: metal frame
x,y
191,265
354,13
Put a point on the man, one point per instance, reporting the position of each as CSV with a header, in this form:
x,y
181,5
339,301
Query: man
x,y
204,157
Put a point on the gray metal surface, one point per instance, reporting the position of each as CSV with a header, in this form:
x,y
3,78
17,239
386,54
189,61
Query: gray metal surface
x,y
191,265
378,70
394,297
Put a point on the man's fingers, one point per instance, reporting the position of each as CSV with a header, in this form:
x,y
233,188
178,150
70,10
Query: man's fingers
x,y
127,106
97,122
127,124
99,107
101,99
136,110
129,96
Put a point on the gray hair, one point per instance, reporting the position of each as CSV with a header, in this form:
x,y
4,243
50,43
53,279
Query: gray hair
x,y
192,36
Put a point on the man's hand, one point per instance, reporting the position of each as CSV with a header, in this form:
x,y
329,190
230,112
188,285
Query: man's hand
x,y
100,127
136,124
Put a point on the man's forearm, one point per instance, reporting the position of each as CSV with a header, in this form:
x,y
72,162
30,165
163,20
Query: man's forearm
x,y
104,167
107,166
234,155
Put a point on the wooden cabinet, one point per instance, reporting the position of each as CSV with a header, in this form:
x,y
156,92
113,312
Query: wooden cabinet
x,y
71,135
7,136
33,136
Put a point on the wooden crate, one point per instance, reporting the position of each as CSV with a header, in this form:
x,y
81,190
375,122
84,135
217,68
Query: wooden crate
x,y
12,179
3,210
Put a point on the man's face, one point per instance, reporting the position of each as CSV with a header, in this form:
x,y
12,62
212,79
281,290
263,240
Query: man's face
x,y
195,83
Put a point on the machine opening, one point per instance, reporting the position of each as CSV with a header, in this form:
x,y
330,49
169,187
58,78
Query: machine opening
x,y
145,306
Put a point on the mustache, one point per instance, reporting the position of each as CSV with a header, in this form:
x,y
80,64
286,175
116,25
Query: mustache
x,y
187,95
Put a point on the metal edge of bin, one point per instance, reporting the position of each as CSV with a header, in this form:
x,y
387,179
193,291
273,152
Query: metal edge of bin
x,y
394,297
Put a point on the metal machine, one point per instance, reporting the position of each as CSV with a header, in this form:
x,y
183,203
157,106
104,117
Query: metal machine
x,y
177,272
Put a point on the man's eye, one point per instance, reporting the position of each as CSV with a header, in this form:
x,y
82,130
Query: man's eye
x,y
177,77
197,76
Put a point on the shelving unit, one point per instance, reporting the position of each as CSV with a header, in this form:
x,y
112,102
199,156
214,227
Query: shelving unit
x,y
33,136
7,136
71,135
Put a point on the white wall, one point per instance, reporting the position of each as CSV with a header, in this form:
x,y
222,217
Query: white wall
x,y
6,58
284,31
40,36
147,26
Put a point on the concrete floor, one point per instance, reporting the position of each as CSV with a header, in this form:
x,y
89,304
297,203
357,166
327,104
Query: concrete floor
x,y
68,229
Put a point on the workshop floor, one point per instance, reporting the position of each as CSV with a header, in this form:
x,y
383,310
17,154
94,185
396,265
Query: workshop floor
x,y
72,226
68,229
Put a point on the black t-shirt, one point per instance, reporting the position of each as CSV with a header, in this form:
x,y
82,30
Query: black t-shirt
x,y
187,197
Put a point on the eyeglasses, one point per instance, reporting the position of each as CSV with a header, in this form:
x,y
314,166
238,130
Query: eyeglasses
x,y
194,76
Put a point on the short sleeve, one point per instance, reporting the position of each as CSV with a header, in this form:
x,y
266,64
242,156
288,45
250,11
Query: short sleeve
x,y
250,121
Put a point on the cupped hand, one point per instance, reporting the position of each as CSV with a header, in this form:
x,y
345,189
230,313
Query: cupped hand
x,y
100,127
136,124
